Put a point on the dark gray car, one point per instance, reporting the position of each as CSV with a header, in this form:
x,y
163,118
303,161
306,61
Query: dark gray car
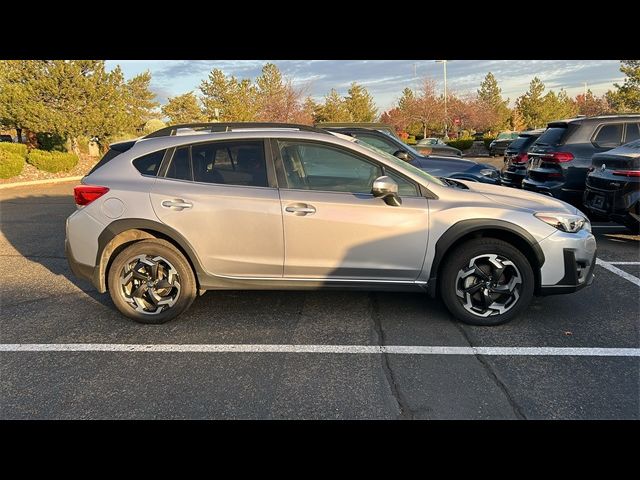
x,y
560,159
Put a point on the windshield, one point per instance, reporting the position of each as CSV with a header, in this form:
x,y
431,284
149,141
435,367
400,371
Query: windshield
x,y
401,163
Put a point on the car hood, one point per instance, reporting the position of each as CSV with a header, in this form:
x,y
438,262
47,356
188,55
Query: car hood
x,y
512,197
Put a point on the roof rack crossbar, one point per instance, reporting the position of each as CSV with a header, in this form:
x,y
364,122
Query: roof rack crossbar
x,y
230,126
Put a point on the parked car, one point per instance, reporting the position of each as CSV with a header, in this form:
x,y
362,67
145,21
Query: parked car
x,y
6,138
613,185
560,159
500,144
277,206
382,127
436,146
438,166
516,158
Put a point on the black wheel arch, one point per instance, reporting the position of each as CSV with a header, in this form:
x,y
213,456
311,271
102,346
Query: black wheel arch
x,y
465,230
121,233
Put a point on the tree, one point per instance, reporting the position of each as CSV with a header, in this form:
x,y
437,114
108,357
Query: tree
x,y
277,100
495,108
426,108
183,109
590,105
557,107
626,97
333,109
396,118
228,99
152,125
531,105
360,104
140,100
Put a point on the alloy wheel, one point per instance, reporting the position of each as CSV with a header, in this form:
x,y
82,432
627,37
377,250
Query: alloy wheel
x,y
489,285
149,284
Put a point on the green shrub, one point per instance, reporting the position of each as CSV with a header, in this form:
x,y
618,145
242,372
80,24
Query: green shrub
x,y
463,144
487,141
52,161
153,125
51,142
18,148
11,164
83,144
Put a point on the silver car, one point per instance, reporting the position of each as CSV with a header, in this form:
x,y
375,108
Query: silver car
x,y
203,207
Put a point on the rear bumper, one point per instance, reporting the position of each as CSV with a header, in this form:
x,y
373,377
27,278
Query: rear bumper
x,y
511,179
80,270
553,189
620,203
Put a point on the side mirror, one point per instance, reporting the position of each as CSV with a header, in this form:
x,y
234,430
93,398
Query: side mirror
x,y
386,188
402,155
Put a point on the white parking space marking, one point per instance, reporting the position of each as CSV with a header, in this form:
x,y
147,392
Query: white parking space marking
x,y
621,273
621,227
347,349
623,263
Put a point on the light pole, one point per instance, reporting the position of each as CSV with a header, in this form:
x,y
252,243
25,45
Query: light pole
x,y
444,64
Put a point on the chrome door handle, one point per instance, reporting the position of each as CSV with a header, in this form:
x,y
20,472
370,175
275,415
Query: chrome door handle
x,y
300,209
177,204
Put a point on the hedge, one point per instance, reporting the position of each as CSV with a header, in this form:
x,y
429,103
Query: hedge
x,y
487,141
18,148
52,161
11,164
461,144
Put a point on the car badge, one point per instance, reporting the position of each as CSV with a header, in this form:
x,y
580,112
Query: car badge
x,y
603,167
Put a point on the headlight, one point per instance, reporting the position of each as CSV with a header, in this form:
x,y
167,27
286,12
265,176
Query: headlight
x,y
565,222
489,172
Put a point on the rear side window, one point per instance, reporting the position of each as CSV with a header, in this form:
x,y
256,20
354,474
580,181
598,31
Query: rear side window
x,y
552,136
225,163
148,164
633,132
609,136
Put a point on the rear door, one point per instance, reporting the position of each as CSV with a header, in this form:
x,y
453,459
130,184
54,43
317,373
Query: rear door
x,y
221,197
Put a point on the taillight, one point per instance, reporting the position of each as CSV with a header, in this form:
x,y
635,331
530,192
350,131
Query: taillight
x,y
627,173
522,157
558,157
85,194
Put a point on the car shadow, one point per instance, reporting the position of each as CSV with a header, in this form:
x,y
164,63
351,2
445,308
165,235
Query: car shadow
x,y
33,226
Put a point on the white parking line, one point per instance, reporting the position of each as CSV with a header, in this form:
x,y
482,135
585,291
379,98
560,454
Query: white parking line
x,y
621,273
609,226
624,263
348,349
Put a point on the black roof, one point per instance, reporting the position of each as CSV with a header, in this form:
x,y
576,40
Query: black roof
x,y
228,127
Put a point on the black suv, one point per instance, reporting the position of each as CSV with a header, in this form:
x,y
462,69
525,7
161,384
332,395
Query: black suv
x,y
613,186
516,157
438,166
560,159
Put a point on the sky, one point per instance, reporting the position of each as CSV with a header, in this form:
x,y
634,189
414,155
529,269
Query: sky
x,y
385,79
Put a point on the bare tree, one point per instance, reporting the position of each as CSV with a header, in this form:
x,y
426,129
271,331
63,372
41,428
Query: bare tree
x,y
426,107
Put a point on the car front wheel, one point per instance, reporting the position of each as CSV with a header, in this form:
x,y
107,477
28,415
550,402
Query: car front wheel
x,y
486,282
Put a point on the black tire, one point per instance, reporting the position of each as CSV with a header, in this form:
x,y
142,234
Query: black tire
x,y
458,261
184,283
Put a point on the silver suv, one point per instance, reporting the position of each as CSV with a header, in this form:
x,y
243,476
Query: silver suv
x,y
203,207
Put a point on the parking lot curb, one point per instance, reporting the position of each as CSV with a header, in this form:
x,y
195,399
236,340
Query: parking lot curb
x,y
40,182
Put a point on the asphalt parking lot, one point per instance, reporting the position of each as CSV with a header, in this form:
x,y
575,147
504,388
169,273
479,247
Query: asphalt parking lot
x,y
271,355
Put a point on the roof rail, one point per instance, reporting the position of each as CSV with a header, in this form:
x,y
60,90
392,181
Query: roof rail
x,y
230,126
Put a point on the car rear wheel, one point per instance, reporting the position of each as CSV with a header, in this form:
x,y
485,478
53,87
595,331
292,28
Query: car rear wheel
x,y
486,282
151,282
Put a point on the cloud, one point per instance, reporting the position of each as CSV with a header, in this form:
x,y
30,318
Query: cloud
x,y
386,79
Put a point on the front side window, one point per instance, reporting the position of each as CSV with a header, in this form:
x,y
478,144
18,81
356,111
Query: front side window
x,y
225,163
609,136
310,166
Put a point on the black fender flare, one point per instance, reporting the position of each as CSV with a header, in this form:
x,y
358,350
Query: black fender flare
x,y
465,227
117,227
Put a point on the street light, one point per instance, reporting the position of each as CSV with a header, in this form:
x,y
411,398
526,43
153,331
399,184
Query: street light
x,y
444,64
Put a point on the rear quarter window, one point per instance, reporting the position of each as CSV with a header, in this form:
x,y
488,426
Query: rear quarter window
x,y
149,164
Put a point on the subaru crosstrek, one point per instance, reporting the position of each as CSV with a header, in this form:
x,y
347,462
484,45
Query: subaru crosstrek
x,y
232,206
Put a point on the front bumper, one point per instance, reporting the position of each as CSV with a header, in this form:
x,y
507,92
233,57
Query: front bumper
x,y
570,259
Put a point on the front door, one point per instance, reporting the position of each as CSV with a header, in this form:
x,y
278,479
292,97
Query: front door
x,y
334,228
217,195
